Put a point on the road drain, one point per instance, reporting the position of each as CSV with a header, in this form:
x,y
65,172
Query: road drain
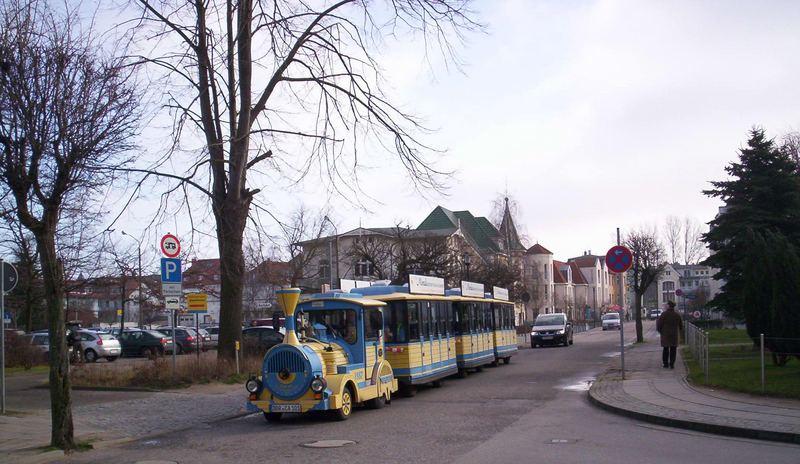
x,y
328,443
560,441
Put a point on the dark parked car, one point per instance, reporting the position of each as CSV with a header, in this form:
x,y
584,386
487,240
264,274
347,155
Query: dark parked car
x,y
186,338
144,343
260,339
551,329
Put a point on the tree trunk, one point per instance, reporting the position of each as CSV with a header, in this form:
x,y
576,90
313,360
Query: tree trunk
x,y
638,316
231,221
62,434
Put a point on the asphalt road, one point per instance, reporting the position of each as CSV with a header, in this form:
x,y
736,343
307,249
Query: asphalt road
x,y
533,410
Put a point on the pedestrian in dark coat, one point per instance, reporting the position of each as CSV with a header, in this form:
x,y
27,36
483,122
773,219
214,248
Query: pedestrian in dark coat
x,y
669,325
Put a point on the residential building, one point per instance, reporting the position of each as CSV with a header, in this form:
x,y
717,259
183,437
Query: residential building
x,y
538,280
598,281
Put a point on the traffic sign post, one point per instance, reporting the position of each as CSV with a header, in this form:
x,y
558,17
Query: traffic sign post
x,y
618,260
197,303
8,280
171,284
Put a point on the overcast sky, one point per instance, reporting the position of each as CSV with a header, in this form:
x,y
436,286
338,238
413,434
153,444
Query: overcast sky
x,y
592,115
596,114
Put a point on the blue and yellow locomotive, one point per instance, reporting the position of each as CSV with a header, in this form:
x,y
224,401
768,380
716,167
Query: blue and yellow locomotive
x,y
338,359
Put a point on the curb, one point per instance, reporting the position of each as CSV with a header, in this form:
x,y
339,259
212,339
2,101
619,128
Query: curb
x,y
718,429
117,389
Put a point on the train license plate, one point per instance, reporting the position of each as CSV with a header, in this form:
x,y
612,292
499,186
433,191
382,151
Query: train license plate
x,y
547,337
284,408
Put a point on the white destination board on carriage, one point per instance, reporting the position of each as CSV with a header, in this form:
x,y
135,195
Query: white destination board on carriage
x,y
425,285
473,289
500,293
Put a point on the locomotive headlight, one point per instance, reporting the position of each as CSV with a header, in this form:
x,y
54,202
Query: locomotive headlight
x,y
318,384
252,385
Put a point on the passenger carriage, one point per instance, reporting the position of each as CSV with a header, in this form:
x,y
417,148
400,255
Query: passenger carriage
x,y
473,327
335,359
418,328
504,329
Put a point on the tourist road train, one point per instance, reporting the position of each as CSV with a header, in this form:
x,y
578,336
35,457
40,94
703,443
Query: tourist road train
x,y
362,346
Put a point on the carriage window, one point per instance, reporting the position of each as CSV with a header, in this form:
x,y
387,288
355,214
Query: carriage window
x,y
435,319
413,321
462,318
477,317
373,323
425,311
441,310
335,324
397,322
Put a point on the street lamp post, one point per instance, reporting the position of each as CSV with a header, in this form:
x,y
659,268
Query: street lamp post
x,y
330,251
141,309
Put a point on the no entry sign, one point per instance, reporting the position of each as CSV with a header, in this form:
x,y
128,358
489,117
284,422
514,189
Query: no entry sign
x,y
619,259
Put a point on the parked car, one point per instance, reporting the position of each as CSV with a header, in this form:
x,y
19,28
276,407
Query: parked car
x,y
213,332
611,321
95,345
551,329
654,313
41,341
147,343
261,339
206,341
186,339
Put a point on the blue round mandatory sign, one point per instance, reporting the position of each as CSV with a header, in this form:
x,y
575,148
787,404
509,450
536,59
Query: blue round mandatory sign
x,y
619,259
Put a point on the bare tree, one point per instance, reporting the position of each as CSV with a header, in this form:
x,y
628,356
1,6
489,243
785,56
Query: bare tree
x,y
28,292
790,144
67,111
673,237
372,255
648,263
272,79
301,239
694,250
425,253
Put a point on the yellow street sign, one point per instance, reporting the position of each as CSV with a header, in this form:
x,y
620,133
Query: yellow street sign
x,y
119,312
237,345
197,302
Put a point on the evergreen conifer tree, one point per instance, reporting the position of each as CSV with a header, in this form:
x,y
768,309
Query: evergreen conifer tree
x,y
763,194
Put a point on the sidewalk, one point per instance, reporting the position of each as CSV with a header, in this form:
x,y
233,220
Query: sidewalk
x,y
25,433
663,396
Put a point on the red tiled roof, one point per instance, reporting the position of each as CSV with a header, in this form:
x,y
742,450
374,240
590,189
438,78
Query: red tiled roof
x,y
558,278
538,250
577,275
585,261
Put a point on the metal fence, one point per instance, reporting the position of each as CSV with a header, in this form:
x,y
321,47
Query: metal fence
x,y
725,349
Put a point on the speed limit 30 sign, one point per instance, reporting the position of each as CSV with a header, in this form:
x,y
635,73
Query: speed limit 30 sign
x,y
170,246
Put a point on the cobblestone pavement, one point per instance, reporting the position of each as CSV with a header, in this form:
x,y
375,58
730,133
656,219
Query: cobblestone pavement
x,y
163,411
654,394
130,416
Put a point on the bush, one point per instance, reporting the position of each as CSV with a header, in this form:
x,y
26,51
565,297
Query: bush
x,y
20,353
157,373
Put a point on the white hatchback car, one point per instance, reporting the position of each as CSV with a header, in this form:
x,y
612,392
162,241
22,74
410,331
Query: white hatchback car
x,y
611,321
99,345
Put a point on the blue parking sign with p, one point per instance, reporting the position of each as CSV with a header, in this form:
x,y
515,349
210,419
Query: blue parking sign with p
x,y
171,270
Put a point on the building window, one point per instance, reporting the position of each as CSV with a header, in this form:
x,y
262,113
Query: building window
x,y
668,286
667,296
546,275
324,269
666,272
364,269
